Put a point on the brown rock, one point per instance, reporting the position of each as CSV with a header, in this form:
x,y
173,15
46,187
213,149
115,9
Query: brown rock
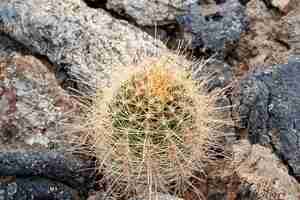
x,y
31,101
265,43
258,167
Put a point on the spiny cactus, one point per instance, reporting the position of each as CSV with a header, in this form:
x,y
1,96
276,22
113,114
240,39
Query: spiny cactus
x,y
153,130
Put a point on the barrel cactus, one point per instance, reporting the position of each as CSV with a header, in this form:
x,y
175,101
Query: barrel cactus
x,y
153,130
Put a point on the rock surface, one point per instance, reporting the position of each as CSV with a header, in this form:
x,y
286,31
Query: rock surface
x,y
32,103
253,173
292,20
79,41
214,27
44,174
52,165
265,42
268,104
150,12
36,188
261,174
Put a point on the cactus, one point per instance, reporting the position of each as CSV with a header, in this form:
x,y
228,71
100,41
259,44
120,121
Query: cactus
x,y
154,130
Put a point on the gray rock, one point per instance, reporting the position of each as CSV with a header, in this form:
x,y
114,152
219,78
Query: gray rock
x,y
32,103
83,44
36,188
150,12
214,27
268,103
57,166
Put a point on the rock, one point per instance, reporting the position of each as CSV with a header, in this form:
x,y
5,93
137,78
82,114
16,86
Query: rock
x,y
33,108
56,166
267,102
214,27
253,172
150,12
32,103
292,22
266,40
82,43
36,188
261,174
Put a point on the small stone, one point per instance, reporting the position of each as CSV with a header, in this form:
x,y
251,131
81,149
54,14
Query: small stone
x,y
281,4
12,189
